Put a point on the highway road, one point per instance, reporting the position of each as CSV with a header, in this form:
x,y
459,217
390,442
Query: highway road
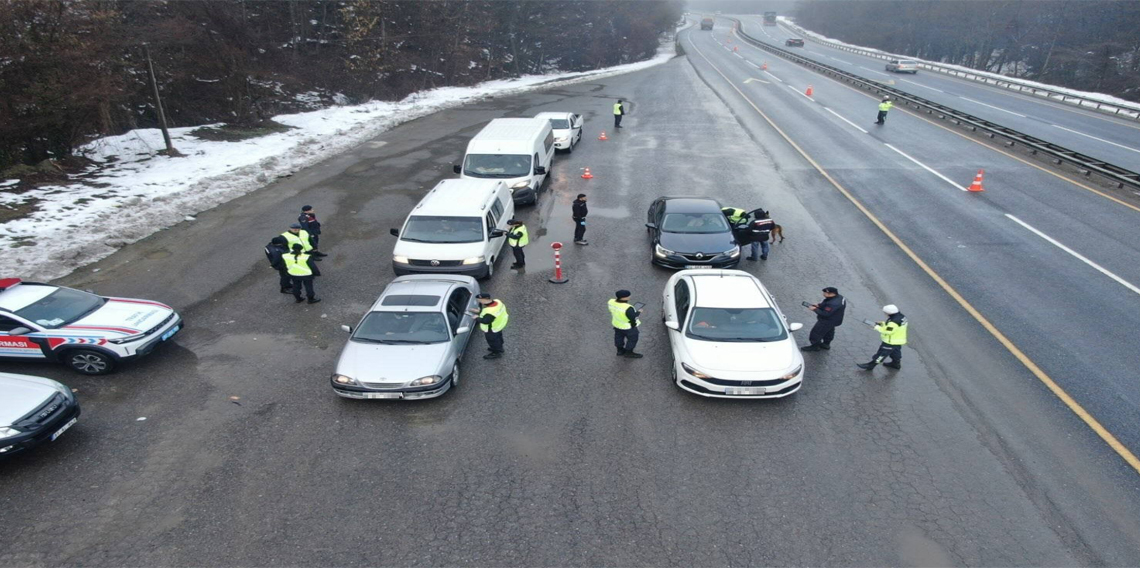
x,y
1101,136
561,453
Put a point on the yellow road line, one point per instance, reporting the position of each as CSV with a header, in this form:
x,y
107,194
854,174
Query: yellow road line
x,y
1060,393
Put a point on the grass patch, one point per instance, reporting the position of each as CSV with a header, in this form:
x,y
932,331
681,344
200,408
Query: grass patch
x,y
235,133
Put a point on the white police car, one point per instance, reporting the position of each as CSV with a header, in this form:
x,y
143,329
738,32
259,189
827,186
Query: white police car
x,y
89,333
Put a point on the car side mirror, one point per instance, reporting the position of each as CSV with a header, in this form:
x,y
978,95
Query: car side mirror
x,y
495,233
20,331
463,329
346,328
651,225
539,170
395,232
672,325
796,326
457,169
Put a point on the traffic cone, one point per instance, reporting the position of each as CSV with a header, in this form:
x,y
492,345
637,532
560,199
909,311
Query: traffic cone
x,y
587,175
809,91
764,66
603,136
977,185
734,48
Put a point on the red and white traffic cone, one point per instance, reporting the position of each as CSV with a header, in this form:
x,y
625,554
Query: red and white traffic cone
x,y
977,185
603,136
559,278
587,175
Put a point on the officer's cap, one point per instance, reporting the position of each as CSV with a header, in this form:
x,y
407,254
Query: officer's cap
x,y
297,246
306,208
622,294
514,222
483,296
831,290
890,309
295,226
278,240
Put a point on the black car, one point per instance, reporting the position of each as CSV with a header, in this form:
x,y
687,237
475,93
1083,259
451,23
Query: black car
x,y
33,411
794,42
690,232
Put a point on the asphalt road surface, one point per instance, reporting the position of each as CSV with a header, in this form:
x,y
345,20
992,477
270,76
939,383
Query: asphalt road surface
x,y
561,453
1112,139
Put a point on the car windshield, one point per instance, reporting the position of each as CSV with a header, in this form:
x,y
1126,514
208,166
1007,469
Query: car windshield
x,y
695,223
402,327
745,324
61,307
497,165
559,123
435,229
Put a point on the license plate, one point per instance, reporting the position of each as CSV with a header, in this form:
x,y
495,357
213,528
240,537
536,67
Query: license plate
x,y
170,333
382,395
69,424
691,266
745,390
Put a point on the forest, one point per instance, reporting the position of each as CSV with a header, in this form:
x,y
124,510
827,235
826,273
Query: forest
x,y
1090,45
74,70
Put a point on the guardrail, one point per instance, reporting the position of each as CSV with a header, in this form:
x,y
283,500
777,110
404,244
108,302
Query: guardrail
x,y
1120,110
1086,165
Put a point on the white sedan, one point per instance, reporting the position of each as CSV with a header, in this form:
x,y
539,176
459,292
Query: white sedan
x,y
567,128
729,338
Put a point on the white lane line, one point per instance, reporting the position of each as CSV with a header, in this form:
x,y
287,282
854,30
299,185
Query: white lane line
x,y
738,54
921,85
1098,267
1095,138
853,125
873,71
842,61
992,106
773,76
801,92
927,168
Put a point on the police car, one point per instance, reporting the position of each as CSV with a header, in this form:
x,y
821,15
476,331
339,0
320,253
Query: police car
x,y
89,333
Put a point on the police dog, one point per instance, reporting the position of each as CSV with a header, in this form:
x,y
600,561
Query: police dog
x,y
777,231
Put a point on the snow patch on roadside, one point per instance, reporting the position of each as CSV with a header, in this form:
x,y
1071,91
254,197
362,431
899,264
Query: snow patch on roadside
x,y
133,192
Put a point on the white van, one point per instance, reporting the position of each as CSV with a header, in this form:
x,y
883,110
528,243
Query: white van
x,y
459,227
517,151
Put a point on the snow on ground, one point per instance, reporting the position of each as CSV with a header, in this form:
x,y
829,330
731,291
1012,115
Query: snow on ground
x,y
134,192
1129,108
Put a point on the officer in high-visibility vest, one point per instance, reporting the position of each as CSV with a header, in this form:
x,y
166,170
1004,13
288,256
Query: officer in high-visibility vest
x,y
884,107
517,238
301,268
624,319
892,331
492,317
619,111
298,236
735,215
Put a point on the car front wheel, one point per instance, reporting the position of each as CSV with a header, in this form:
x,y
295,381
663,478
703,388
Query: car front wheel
x,y
455,375
89,362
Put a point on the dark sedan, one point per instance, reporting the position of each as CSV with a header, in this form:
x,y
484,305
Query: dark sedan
x,y
690,232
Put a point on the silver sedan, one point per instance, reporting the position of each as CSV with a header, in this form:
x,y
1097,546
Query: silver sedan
x,y
410,343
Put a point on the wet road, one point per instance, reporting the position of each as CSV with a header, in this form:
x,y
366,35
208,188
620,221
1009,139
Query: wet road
x,y
559,453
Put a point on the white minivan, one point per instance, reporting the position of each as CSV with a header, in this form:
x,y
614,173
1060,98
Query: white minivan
x,y
459,227
517,151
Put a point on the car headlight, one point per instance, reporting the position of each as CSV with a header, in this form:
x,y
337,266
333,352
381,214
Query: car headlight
x,y
735,252
563,139
474,260
662,251
344,380
426,381
127,339
792,374
400,259
694,372
8,432
521,185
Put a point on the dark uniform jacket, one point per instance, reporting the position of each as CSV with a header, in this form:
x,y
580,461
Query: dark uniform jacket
x,y
273,252
309,222
831,310
579,210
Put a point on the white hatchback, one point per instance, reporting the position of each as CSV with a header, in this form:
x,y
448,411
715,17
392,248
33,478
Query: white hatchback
x,y
567,128
729,338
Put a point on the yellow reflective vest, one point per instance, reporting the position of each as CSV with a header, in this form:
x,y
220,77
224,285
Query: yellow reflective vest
x,y
524,236
618,316
893,331
297,264
735,215
618,109
886,106
301,238
497,309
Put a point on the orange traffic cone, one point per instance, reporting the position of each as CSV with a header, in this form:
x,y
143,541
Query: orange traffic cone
x,y
603,136
587,175
764,66
809,91
734,48
977,185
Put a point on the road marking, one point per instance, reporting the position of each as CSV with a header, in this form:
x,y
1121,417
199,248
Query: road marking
x,y
1024,359
921,85
1095,138
773,76
842,61
927,168
873,71
801,92
992,106
750,79
1076,254
853,125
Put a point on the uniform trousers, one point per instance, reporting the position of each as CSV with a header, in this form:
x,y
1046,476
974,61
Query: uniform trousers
x,y
626,339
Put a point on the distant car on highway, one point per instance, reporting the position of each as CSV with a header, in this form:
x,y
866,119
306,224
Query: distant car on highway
x,y
567,129
91,334
690,232
728,337
33,411
794,42
410,343
707,24
902,66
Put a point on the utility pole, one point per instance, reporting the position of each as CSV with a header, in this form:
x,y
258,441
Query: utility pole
x,y
170,151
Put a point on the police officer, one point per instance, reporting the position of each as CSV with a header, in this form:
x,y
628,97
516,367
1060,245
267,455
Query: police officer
x,y
309,223
579,212
735,215
884,108
624,319
892,331
492,317
517,238
757,234
298,236
274,251
299,263
828,316
619,111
